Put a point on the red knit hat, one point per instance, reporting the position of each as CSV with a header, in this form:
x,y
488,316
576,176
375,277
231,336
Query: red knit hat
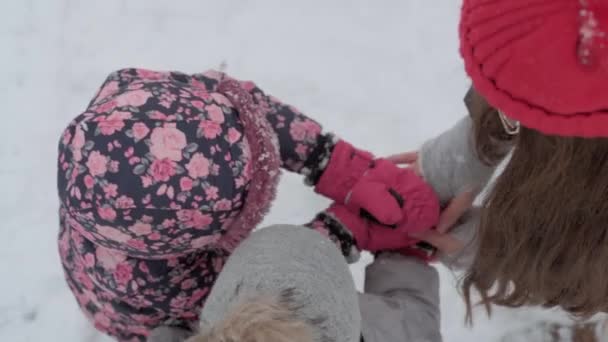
x,y
541,62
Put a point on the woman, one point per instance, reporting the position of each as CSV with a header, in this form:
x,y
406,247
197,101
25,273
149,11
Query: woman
x,y
540,78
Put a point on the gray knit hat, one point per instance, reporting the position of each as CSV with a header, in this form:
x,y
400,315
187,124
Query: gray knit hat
x,y
303,268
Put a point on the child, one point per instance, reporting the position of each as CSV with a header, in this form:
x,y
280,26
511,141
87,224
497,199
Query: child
x,y
289,284
400,301
540,72
165,174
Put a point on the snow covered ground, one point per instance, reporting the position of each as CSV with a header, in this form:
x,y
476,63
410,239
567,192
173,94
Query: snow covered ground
x,y
384,74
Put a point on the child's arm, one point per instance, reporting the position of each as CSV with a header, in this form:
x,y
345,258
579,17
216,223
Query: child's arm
x,y
401,300
303,145
391,199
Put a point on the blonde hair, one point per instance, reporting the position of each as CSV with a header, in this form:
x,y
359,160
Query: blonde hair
x,y
262,319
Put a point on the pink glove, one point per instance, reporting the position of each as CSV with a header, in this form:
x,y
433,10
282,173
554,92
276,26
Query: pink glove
x,y
379,190
369,236
418,203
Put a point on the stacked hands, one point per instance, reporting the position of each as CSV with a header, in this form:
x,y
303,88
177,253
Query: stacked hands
x,y
417,210
385,207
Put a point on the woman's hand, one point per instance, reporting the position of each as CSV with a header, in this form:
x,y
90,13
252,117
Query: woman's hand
x,y
454,209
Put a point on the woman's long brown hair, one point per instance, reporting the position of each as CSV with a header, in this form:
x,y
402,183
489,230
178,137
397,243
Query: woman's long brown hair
x,y
543,235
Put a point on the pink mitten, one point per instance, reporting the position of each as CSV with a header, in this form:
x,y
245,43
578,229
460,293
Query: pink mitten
x,y
369,236
417,201
378,189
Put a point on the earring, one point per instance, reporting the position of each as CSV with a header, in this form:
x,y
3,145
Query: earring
x,y
511,127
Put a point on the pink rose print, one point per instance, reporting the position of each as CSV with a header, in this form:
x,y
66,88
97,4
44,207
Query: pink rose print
x,y
111,190
210,129
89,260
137,244
167,143
114,165
198,105
151,75
144,267
168,223
78,143
109,89
124,202
102,321
112,123
297,129
247,85
194,219
312,129
146,181
198,295
211,193
108,259
162,170
301,150
188,284
214,74
199,90
107,213
185,183
123,273
89,181
200,220
154,236
215,113
222,205
233,135
156,115
140,131
83,278
178,303
204,241
198,166
106,107
113,234
66,137
221,99
218,264
136,98
141,228
97,164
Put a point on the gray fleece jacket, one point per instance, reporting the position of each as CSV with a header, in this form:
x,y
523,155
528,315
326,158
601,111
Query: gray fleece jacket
x,y
400,302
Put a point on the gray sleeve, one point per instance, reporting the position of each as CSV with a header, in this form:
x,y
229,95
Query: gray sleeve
x,y
466,232
401,301
449,162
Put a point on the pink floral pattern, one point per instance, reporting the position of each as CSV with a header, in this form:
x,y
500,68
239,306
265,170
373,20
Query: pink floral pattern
x,y
167,142
126,297
153,147
151,178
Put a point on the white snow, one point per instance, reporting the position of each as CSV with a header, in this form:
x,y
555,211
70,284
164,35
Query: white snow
x,y
384,74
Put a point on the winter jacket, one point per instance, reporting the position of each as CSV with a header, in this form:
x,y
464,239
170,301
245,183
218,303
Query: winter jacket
x,y
160,178
400,302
